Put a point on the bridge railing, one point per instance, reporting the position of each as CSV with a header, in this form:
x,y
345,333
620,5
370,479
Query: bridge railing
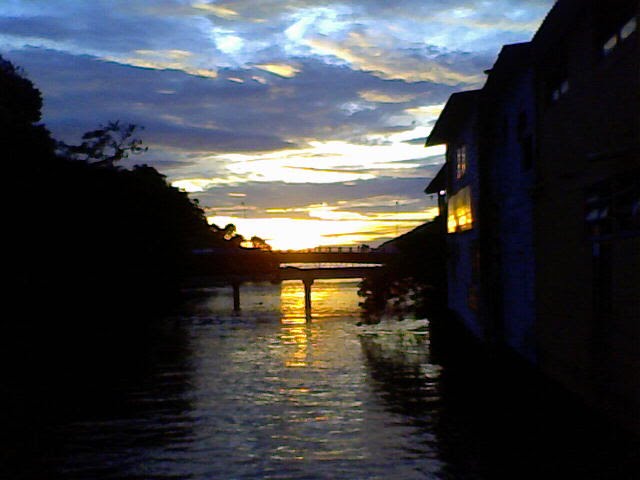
x,y
349,249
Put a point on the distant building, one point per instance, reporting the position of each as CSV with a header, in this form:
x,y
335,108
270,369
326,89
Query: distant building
x,y
438,186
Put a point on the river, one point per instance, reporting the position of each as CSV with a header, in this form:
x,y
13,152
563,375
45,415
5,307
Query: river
x,y
264,394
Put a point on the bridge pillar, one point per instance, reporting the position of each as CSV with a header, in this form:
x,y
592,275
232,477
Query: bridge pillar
x,y
236,296
307,297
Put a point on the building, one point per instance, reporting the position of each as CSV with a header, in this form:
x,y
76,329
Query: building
x,y
507,132
587,201
541,189
457,127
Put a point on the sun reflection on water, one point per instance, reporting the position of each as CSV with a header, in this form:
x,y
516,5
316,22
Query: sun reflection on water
x,y
298,337
296,331
299,334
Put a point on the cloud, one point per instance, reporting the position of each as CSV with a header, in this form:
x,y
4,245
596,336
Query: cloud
x,y
408,64
280,100
282,70
214,114
395,40
217,10
378,96
294,200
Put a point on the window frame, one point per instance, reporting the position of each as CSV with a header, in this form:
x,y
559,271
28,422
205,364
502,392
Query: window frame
x,y
461,161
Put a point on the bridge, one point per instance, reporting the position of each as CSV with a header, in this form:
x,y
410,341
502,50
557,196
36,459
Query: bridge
x,y
313,255
322,255
337,256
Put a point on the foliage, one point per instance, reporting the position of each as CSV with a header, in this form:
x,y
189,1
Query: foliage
x,y
21,140
111,241
105,146
20,100
259,243
413,283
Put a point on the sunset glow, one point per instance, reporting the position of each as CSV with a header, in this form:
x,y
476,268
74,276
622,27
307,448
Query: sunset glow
x,y
301,122
299,233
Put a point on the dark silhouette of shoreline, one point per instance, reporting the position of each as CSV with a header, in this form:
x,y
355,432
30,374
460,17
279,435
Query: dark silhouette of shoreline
x,y
97,252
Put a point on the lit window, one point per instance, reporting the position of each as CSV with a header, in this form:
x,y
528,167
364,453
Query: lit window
x,y
461,161
610,44
621,35
628,28
460,217
561,89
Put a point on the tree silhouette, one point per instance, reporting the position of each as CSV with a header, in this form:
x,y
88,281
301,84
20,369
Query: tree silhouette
x,y
19,99
23,143
92,234
258,242
229,231
107,145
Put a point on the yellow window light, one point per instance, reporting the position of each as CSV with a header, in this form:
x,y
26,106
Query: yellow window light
x,y
460,217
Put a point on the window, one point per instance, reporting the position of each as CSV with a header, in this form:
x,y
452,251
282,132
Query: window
x,y
460,217
559,89
557,75
619,34
597,215
628,28
610,44
461,161
612,207
526,141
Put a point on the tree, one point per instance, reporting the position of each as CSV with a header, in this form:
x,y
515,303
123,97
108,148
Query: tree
x,y
23,142
412,282
107,145
229,231
258,242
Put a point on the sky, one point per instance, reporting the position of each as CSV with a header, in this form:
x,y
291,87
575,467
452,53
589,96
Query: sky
x,y
300,121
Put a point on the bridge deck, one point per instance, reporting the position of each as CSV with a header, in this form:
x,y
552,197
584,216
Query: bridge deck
x,y
291,256
307,275
287,273
330,257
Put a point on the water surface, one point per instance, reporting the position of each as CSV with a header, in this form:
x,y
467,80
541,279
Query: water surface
x,y
264,394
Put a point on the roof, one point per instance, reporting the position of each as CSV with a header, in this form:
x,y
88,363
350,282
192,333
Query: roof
x,y
418,235
512,60
458,109
439,182
565,16
562,18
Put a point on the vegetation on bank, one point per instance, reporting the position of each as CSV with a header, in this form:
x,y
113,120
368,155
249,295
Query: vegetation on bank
x,y
413,283
90,238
